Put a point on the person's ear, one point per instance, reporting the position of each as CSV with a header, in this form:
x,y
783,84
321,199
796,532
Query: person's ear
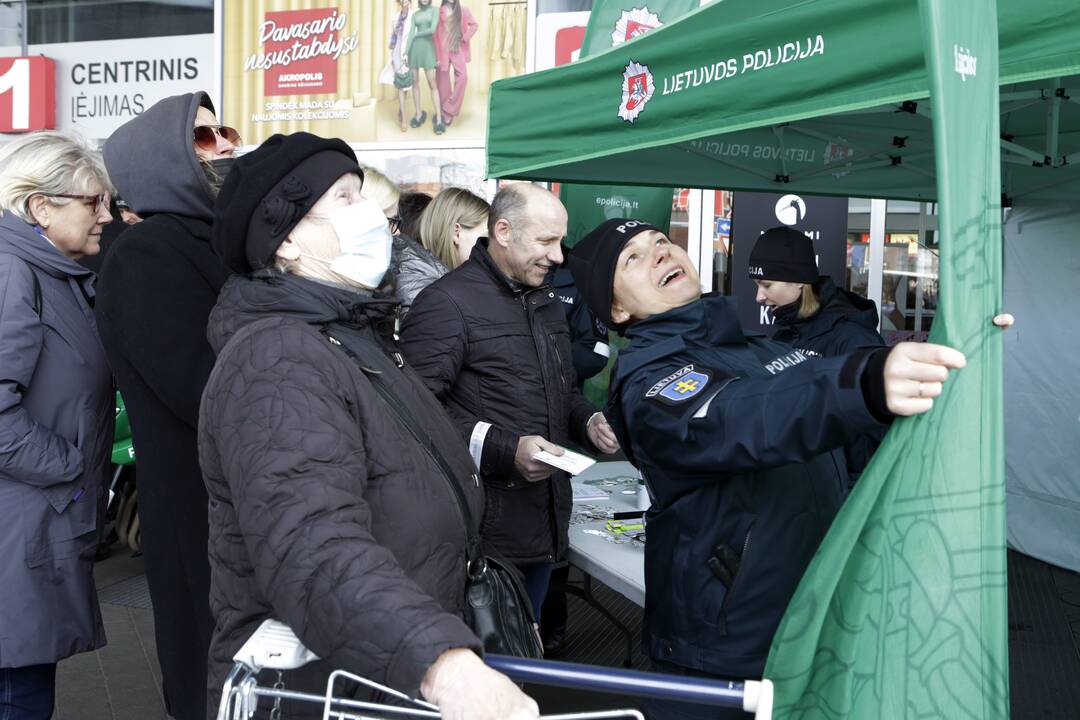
x,y
618,314
457,234
39,207
289,250
502,232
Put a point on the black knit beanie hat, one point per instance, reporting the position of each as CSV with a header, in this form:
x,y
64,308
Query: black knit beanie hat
x,y
783,254
594,259
269,190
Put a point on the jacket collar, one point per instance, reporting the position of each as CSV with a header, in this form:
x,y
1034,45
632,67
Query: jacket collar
x,y
482,257
20,238
710,321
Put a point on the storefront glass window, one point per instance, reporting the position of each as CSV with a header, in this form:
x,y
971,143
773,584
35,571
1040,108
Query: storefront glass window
x,y
61,21
909,285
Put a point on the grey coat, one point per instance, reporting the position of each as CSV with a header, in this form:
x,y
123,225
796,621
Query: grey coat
x,y
414,269
56,426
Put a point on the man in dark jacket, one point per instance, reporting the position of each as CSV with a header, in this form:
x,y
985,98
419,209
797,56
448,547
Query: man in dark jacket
x,y
158,284
491,342
736,437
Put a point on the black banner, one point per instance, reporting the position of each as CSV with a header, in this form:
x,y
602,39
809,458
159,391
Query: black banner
x,y
822,219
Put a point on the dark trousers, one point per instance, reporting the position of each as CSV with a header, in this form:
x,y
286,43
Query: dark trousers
x,y
537,578
554,610
27,693
672,710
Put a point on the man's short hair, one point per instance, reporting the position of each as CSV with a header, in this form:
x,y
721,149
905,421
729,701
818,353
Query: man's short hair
x,y
510,204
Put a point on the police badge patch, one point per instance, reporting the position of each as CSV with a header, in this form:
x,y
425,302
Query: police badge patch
x,y
682,385
637,89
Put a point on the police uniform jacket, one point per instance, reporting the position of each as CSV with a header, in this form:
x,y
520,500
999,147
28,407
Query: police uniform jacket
x,y
497,354
844,323
588,334
733,436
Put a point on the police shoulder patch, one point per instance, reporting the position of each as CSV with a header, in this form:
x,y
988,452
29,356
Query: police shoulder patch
x,y
680,386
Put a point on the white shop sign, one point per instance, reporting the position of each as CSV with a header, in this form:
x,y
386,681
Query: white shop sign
x,y
102,84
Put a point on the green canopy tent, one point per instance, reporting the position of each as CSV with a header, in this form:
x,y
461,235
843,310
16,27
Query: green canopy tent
x,y
825,97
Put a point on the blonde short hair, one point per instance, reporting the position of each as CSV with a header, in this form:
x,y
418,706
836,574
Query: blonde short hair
x,y
48,162
809,303
452,206
379,188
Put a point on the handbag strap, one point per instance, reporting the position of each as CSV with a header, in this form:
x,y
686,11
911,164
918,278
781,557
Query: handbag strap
x,y
406,418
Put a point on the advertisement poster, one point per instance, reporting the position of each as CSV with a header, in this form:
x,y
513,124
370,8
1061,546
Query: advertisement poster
x,y
102,84
371,71
823,219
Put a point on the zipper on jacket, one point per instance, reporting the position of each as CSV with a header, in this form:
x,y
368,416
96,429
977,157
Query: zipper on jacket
x,y
721,621
472,542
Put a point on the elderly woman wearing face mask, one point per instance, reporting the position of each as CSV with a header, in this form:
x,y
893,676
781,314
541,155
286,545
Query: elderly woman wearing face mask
x,y
326,512
56,410
159,282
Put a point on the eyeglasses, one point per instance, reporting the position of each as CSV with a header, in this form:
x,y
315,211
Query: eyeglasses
x,y
206,136
95,201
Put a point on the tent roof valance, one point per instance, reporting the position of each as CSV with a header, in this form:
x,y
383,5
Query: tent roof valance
x,y
821,96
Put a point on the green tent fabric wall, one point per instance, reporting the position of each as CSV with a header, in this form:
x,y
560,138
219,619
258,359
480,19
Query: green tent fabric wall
x,y
902,612
823,97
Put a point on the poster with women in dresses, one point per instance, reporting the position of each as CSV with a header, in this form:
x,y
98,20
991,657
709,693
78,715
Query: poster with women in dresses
x,y
402,71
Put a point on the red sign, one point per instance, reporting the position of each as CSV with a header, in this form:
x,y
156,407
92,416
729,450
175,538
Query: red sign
x,y
306,41
27,94
567,42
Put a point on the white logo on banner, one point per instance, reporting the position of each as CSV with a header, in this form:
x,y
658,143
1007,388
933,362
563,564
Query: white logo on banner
x,y
637,89
634,22
964,62
790,209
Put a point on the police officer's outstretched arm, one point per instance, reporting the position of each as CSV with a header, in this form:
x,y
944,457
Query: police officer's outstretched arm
x,y
747,424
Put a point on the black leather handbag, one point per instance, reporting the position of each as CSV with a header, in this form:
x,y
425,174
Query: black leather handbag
x,y
500,612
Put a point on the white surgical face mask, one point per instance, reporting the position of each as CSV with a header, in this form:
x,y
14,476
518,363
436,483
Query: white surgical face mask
x,y
365,240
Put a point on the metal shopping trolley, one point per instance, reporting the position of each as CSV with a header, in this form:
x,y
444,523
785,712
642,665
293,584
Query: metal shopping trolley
x,y
274,647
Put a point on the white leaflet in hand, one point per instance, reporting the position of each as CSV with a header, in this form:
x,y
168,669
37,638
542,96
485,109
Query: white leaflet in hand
x,y
572,462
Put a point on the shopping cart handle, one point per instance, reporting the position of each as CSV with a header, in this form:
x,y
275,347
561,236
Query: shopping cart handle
x,y
752,696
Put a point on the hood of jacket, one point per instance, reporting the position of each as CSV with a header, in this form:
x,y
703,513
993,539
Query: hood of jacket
x,y
247,298
19,238
151,160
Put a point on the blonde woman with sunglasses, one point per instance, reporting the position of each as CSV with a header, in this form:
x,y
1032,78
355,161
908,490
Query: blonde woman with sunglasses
x,y
159,282
56,413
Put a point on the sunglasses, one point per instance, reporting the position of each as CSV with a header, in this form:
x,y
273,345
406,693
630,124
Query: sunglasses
x,y
95,201
206,136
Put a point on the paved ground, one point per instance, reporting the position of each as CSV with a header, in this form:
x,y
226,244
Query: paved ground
x,y
122,680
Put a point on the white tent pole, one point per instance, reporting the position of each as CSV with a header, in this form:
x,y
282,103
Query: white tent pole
x,y
876,257
1053,124
695,239
1021,150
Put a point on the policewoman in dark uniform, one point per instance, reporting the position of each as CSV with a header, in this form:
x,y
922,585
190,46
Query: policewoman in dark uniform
x,y
813,315
736,437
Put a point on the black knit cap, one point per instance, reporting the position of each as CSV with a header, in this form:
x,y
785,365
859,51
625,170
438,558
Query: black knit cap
x,y
269,191
594,259
783,254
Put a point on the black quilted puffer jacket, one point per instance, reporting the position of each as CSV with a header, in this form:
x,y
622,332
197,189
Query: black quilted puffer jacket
x,y
498,354
325,513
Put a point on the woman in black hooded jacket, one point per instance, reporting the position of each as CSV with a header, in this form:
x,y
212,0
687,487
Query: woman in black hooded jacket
x,y
158,283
